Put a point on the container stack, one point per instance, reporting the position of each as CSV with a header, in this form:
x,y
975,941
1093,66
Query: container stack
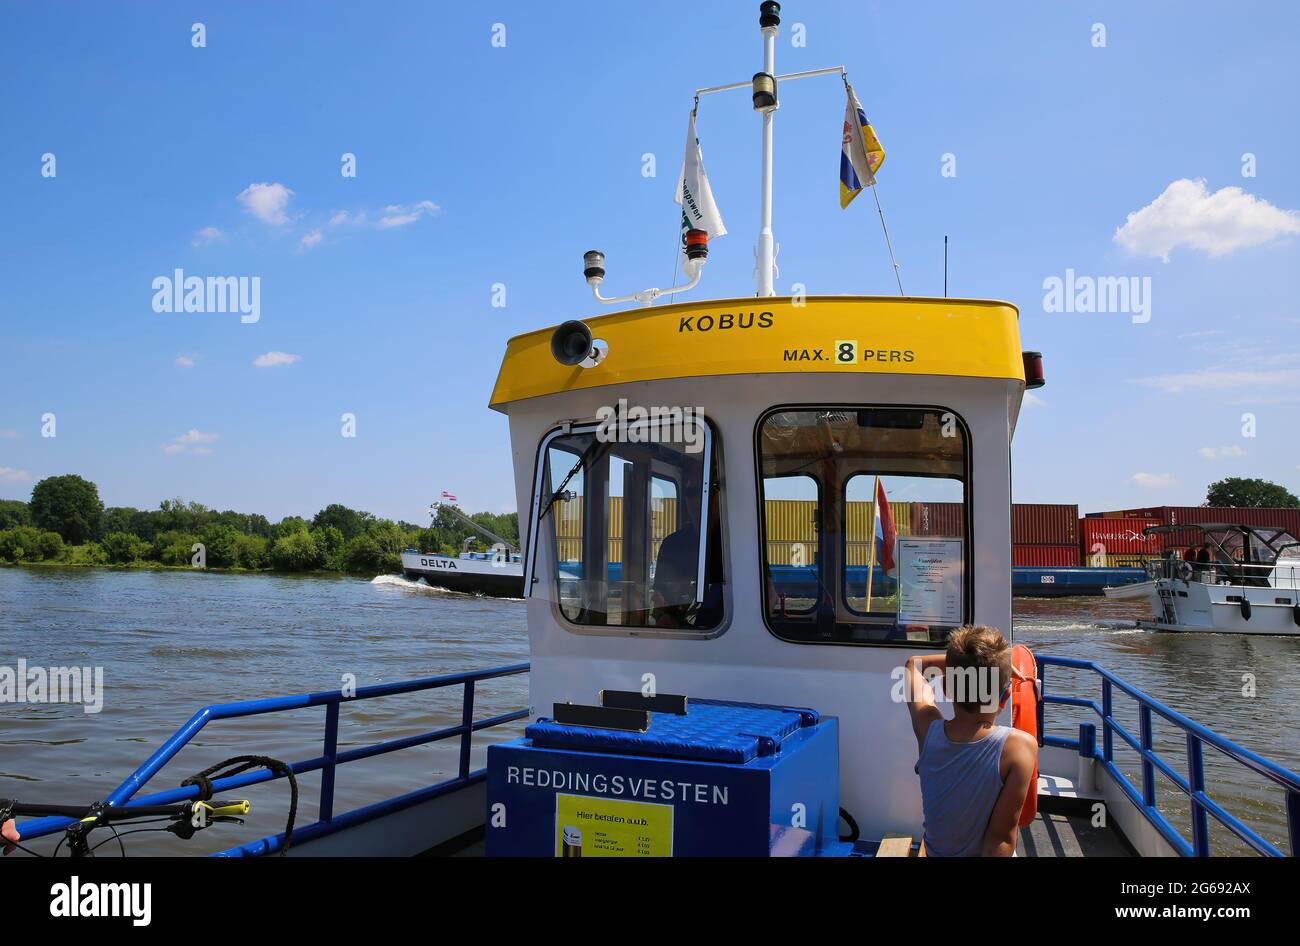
x,y
1113,530
1119,542
1044,535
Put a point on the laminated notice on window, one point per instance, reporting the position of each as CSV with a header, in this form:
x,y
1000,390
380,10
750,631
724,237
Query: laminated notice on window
x,y
930,574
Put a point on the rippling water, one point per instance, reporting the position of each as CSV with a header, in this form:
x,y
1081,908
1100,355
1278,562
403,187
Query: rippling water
x,y
171,642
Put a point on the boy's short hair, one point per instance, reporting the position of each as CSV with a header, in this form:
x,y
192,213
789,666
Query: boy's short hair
x,y
979,667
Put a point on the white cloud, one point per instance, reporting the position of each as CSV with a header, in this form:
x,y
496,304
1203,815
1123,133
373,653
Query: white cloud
x,y
266,202
399,215
184,361
192,441
1153,480
273,359
311,238
1033,400
1221,379
207,236
194,435
338,218
1187,214
1221,453
11,475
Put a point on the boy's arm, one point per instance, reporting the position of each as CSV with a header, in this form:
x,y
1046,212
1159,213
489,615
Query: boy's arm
x,y
1018,756
920,695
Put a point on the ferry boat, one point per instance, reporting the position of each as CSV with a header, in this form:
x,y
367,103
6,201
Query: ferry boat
x,y
1249,582
690,705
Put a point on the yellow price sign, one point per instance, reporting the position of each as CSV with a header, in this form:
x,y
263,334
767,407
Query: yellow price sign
x,y
587,826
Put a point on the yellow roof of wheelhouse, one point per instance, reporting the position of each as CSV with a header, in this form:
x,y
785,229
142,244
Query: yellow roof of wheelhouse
x,y
889,335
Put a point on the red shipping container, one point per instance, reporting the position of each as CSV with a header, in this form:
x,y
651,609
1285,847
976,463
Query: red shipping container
x,y
1282,518
1045,524
1288,519
1118,537
938,519
1045,556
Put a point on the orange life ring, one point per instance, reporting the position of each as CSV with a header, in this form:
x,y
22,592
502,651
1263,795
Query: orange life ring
x,y
1024,716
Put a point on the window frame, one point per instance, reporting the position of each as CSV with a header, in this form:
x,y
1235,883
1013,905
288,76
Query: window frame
x,y
968,491
817,564
712,457
844,530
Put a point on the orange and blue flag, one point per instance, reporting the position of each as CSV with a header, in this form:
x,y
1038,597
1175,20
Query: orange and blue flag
x,y
861,153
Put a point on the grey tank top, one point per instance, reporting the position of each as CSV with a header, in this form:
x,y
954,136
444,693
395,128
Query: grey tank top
x,y
960,782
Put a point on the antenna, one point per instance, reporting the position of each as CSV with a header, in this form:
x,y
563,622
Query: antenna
x,y
945,266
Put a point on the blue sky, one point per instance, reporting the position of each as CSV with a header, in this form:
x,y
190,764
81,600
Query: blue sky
x,y
479,165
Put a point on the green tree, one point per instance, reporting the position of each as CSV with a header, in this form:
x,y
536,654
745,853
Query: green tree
x,y
251,552
29,544
68,505
350,522
49,546
173,547
177,515
289,525
20,544
363,555
330,541
219,544
14,513
119,519
122,548
296,552
1239,491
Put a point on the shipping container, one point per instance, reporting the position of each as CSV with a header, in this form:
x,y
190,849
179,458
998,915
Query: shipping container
x,y
1117,537
1045,556
792,529
938,519
1044,524
1283,518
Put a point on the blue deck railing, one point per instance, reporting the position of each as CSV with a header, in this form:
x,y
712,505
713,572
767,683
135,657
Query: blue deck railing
x,y
326,763
1202,806
1143,797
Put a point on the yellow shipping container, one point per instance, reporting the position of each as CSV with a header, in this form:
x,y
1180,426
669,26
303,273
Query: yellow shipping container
x,y
792,529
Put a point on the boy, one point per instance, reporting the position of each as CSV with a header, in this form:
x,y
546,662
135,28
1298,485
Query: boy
x,y
974,773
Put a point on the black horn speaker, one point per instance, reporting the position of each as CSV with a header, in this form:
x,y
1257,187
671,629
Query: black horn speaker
x,y
571,343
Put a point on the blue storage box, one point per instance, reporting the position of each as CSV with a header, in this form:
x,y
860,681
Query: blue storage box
x,y
726,779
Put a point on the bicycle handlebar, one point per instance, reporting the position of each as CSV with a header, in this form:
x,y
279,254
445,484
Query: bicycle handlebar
x,y
215,808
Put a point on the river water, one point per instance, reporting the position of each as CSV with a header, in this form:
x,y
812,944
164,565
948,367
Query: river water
x,y
170,642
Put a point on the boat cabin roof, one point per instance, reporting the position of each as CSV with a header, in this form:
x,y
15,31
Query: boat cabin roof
x,y
776,335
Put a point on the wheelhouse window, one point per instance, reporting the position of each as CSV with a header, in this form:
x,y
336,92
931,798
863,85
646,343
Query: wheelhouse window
x,y
625,526
864,519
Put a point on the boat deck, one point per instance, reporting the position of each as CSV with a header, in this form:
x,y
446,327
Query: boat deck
x,y
1062,835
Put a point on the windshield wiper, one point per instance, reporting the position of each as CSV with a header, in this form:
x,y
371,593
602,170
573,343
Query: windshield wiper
x,y
590,455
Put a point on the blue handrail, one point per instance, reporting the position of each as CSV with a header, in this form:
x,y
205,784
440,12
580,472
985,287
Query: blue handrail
x,y
326,763
1192,785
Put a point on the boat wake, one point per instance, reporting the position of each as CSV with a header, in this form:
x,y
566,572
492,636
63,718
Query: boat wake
x,y
1105,627
406,584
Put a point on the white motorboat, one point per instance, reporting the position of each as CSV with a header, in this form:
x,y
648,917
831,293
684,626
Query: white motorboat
x,y
1250,583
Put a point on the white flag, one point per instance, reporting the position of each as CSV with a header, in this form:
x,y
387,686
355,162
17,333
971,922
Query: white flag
x,y
699,212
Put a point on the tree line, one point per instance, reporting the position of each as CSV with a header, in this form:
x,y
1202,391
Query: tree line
x,y
66,522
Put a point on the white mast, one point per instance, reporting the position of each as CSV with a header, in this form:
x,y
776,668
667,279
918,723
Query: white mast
x,y
764,89
769,19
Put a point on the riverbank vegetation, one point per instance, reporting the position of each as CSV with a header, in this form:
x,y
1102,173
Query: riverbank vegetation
x,y
67,523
